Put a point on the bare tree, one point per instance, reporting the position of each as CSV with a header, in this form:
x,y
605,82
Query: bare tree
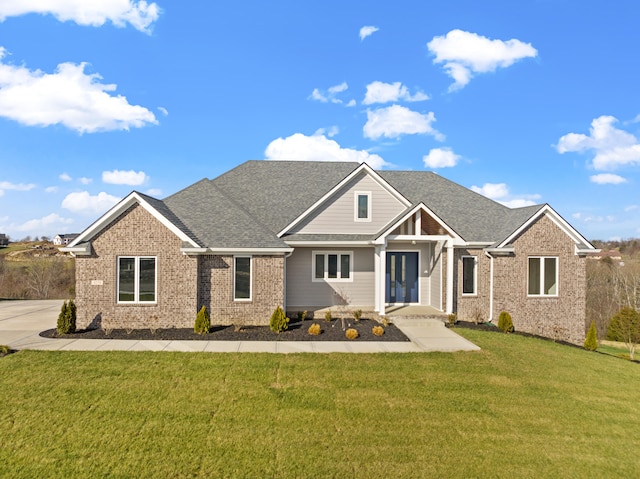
x,y
41,276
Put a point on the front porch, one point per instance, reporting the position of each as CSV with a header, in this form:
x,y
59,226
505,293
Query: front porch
x,y
414,311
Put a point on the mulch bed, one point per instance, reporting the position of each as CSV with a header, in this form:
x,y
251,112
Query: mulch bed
x,y
331,331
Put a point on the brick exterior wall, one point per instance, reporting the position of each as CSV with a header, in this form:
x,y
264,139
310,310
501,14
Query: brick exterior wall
x,y
135,233
184,283
561,317
215,290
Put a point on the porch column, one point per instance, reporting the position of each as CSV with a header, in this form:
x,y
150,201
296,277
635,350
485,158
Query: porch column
x,y
376,279
450,265
382,280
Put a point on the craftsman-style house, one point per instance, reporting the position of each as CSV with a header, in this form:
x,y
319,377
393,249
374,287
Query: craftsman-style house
x,y
314,235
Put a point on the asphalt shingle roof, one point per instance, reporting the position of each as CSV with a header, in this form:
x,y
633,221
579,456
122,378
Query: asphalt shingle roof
x,y
250,204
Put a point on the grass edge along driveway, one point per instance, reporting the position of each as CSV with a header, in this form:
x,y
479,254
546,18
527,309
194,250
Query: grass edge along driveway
x,y
521,407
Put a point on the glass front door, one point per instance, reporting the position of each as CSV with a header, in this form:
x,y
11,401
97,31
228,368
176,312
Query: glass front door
x,y
402,278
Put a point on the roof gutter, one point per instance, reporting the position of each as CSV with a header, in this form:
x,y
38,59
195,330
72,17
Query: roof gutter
x,y
82,249
228,251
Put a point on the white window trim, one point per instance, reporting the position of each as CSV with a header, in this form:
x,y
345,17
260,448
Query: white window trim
x,y
475,275
250,298
326,278
542,294
357,194
136,280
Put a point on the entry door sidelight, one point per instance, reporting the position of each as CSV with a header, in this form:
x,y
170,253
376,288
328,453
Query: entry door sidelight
x,y
402,278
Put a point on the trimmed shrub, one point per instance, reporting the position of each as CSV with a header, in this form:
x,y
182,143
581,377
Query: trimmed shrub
x,y
591,341
67,318
452,319
203,322
4,350
302,315
327,316
279,322
357,314
314,329
505,323
351,333
378,330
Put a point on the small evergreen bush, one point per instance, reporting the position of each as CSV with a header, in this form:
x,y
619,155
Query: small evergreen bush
x,y
327,316
591,341
378,330
314,329
67,318
357,314
351,333
203,322
279,322
302,315
505,323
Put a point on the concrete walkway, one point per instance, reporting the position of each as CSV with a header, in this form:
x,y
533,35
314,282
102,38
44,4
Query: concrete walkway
x,y
22,321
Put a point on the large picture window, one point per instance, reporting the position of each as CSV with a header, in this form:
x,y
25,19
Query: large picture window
x,y
242,278
469,275
543,276
332,266
137,279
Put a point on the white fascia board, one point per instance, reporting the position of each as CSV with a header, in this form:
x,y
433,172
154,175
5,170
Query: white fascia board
x,y
363,167
500,251
118,209
558,220
420,206
323,244
83,249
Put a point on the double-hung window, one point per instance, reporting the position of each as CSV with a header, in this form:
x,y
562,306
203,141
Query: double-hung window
x,y
332,266
469,275
242,278
362,206
543,276
137,279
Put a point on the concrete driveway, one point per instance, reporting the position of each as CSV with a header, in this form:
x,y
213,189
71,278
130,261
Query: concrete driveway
x,y
22,321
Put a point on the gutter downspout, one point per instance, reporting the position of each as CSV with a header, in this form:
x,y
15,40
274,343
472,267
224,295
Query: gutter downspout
x,y
490,286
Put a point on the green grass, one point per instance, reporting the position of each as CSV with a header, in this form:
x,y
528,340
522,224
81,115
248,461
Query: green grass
x,y
521,407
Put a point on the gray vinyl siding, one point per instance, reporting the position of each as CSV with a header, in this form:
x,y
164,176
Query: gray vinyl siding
x,y
303,292
435,268
336,215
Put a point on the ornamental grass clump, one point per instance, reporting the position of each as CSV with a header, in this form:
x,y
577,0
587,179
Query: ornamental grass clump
x,y
505,323
302,315
351,333
279,321
314,329
67,318
357,314
378,330
203,323
591,341
327,316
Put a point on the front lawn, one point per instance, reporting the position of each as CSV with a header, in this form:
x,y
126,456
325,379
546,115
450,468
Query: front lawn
x,y
521,407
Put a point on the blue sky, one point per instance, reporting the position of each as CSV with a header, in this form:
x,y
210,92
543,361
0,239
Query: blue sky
x,y
526,102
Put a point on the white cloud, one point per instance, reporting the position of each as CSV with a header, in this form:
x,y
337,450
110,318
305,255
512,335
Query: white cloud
x,y
612,147
67,97
629,208
465,54
380,92
43,225
396,120
121,177
65,177
139,14
330,132
163,110
607,179
352,102
500,192
6,185
330,95
51,189
440,158
367,30
83,202
154,192
299,147
85,181
589,218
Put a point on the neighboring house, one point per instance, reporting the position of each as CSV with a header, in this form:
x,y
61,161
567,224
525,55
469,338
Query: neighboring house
x,y
4,240
312,235
59,240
